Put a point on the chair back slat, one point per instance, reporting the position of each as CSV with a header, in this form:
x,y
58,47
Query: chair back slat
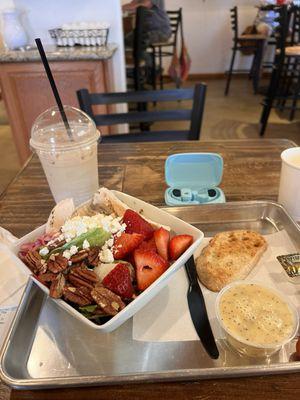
x,y
282,32
295,25
150,136
175,17
140,97
234,21
194,114
142,116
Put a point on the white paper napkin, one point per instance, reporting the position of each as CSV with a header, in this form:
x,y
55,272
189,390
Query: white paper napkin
x,y
167,317
12,281
12,278
6,237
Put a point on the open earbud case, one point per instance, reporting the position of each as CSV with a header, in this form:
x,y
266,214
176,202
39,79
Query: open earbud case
x,y
193,179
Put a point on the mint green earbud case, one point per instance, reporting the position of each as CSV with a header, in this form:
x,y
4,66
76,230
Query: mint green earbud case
x,y
198,172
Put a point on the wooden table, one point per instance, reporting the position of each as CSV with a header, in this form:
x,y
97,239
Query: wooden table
x,y
251,171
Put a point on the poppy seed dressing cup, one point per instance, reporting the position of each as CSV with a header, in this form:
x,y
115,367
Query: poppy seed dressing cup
x,y
70,163
257,320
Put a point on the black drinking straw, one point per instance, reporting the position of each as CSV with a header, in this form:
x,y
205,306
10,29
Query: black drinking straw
x,y
53,86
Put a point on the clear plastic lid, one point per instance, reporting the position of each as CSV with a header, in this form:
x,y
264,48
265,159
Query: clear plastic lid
x,y
49,132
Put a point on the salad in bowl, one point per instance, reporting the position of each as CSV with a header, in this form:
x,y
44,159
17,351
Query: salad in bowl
x,y
104,256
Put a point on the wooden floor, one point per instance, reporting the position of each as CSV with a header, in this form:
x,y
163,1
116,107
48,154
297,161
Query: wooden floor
x,y
232,117
9,163
237,116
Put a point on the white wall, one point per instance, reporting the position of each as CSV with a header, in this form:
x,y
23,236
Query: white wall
x,y
208,32
206,25
40,15
3,5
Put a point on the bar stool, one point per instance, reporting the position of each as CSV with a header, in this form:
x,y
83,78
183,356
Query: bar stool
x,y
249,43
284,88
165,49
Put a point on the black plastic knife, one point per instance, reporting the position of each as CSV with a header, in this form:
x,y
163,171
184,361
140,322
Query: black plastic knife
x,y
198,310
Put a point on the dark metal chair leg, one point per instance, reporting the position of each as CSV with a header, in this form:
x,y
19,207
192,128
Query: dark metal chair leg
x,y
258,58
285,84
161,80
296,92
265,117
230,72
250,76
269,100
154,77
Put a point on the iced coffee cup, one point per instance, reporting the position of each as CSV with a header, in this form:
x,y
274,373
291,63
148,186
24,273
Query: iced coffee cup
x,y
69,158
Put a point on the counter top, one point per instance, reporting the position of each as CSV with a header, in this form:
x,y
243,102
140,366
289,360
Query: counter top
x,y
54,53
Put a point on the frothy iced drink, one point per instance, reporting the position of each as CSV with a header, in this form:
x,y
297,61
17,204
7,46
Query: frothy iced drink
x,y
70,165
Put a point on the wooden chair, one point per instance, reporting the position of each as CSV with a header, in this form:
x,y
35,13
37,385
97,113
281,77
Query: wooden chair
x,y
165,49
193,115
251,42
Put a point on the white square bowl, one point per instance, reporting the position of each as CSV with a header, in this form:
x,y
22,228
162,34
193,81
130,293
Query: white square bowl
x,y
162,217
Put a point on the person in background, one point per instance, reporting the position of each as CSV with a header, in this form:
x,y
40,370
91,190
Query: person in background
x,y
157,23
265,21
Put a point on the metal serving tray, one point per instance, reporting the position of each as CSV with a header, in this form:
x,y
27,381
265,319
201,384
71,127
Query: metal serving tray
x,y
47,348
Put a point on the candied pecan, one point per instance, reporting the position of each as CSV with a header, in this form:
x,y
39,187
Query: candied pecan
x,y
110,303
80,264
35,262
58,264
47,277
80,296
93,256
57,286
83,277
80,256
53,244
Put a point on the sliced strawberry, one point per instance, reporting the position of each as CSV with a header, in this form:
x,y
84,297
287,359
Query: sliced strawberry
x,y
162,238
119,281
178,245
103,269
125,244
130,258
136,224
149,267
148,245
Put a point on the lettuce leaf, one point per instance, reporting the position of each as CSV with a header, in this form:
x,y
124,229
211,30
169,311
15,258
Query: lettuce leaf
x,y
95,237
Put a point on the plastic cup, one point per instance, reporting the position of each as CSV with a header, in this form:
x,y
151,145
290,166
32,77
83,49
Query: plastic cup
x,y
289,188
71,166
238,341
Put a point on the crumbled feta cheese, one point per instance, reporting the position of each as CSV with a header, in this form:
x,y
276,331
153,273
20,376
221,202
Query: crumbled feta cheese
x,y
44,251
85,244
67,254
73,250
106,256
110,242
78,225
116,226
